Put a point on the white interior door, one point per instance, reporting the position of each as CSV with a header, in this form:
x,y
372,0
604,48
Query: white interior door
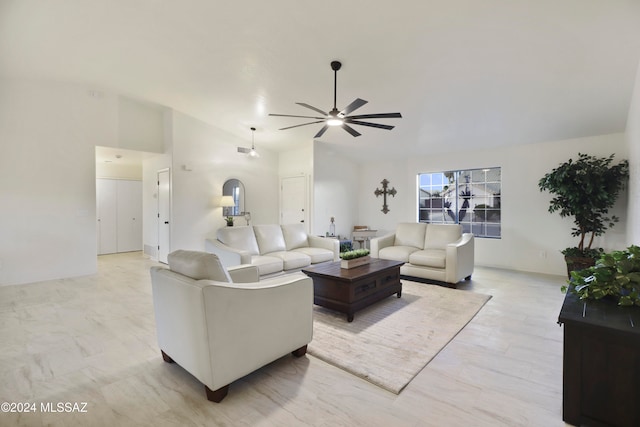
x,y
293,199
164,215
129,215
106,209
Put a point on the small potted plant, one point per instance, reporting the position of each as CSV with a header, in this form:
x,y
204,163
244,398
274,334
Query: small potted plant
x,y
354,258
615,275
585,189
229,220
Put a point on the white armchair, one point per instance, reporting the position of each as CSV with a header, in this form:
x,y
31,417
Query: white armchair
x,y
435,252
220,330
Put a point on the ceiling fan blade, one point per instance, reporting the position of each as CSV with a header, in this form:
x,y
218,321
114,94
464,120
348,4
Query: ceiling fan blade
x,y
377,116
373,125
243,150
303,124
302,117
353,106
312,108
321,131
351,130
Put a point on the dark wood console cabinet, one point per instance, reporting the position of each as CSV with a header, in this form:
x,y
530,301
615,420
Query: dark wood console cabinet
x,y
601,371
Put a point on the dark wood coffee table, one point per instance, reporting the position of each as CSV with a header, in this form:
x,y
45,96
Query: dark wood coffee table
x,y
348,291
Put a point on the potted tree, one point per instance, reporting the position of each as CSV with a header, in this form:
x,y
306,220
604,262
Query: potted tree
x,y
585,189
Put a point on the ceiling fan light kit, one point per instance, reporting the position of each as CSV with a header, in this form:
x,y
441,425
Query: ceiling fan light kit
x,y
336,118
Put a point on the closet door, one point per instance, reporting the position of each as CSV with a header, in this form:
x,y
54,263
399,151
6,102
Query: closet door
x,y
106,209
129,199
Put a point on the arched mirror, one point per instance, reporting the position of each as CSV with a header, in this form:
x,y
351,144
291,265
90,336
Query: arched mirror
x,y
234,188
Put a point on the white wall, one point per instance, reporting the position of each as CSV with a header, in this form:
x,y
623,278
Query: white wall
x,y
204,157
140,125
531,237
400,205
296,162
633,142
115,171
48,134
47,178
335,190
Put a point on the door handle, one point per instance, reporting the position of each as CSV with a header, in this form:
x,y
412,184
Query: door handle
x,y
166,222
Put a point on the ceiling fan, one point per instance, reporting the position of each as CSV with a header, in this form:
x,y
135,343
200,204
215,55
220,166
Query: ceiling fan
x,y
251,152
341,118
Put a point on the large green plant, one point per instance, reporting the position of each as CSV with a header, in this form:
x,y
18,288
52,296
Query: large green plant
x,y
616,274
586,189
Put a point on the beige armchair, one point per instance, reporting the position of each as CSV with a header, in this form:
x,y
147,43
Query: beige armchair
x,y
219,329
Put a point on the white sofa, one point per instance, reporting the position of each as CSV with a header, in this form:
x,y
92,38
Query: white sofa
x,y
221,330
438,252
272,248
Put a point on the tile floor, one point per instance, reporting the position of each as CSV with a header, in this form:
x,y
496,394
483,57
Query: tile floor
x,y
92,339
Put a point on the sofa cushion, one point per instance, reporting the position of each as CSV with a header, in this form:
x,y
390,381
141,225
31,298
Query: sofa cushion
x,y
316,254
438,236
198,265
410,234
295,236
269,238
397,253
267,264
241,238
435,258
291,259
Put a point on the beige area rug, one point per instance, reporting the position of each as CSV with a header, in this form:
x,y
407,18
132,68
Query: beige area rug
x,y
390,342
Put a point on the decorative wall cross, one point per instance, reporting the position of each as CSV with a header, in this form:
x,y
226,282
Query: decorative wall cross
x,y
384,192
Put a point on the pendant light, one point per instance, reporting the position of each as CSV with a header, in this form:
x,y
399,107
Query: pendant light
x,y
253,153
250,152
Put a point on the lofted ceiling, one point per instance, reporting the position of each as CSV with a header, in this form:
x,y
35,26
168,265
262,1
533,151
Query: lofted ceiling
x,y
464,73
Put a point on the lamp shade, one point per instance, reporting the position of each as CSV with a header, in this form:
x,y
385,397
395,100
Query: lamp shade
x,y
227,201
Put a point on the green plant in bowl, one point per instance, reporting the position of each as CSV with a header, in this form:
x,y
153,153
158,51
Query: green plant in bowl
x,y
616,275
356,253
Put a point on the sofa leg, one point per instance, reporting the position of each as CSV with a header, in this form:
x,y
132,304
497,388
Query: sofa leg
x,y
166,357
216,395
467,278
300,352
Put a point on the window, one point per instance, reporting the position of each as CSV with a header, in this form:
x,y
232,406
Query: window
x,y
469,197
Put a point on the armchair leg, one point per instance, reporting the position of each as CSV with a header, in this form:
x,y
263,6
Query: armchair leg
x,y
300,352
166,357
467,278
216,395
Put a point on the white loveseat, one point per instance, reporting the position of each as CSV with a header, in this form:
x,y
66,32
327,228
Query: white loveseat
x,y
220,330
439,252
272,248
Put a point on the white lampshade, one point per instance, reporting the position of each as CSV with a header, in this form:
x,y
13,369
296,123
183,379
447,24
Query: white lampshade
x,y
227,201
